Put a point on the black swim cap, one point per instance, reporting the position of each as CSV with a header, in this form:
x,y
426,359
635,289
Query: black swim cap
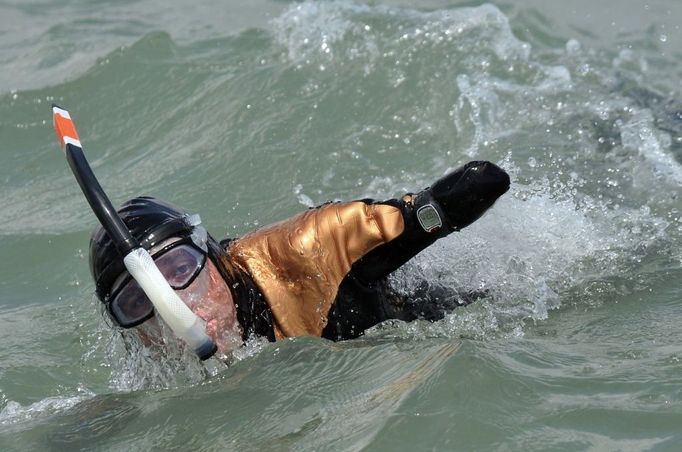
x,y
150,221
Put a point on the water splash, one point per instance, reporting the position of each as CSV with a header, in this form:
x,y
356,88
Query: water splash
x,y
168,363
537,246
15,413
318,31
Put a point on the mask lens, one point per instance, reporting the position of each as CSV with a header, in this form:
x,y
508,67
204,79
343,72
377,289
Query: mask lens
x,y
131,305
180,265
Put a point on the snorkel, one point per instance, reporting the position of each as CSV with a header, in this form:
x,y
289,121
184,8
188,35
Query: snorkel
x,y
137,260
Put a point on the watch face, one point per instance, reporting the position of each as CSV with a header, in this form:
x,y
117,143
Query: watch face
x,y
428,218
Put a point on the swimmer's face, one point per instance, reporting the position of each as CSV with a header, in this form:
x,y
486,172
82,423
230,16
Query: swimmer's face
x,y
470,191
209,297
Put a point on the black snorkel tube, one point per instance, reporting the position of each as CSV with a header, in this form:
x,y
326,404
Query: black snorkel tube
x,y
184,323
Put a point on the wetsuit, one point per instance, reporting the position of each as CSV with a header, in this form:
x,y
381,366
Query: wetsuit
x,y
320,270
323,272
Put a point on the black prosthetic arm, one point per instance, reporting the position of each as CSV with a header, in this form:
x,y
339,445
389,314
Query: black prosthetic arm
x,y
453,202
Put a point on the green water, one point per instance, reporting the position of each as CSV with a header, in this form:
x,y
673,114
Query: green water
x,y
251,112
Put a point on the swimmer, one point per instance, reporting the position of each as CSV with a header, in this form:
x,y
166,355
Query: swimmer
x,y
320,273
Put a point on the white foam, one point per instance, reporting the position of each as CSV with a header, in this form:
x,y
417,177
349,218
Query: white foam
x,y
638,133
135,366
14,412
314,30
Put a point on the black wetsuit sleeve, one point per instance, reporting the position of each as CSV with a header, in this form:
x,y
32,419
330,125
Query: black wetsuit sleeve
x,y
364,297
385,259
451,203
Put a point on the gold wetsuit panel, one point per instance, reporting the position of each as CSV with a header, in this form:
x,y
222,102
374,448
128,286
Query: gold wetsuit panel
x,y
298,264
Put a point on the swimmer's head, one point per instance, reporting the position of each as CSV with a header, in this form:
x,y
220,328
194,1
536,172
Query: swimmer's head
x,y
187,256
468,192
150,221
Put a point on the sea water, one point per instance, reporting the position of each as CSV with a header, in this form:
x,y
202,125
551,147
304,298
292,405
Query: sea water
x,y
248,112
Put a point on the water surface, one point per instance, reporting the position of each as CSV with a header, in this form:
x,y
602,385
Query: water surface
x,y
252,112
